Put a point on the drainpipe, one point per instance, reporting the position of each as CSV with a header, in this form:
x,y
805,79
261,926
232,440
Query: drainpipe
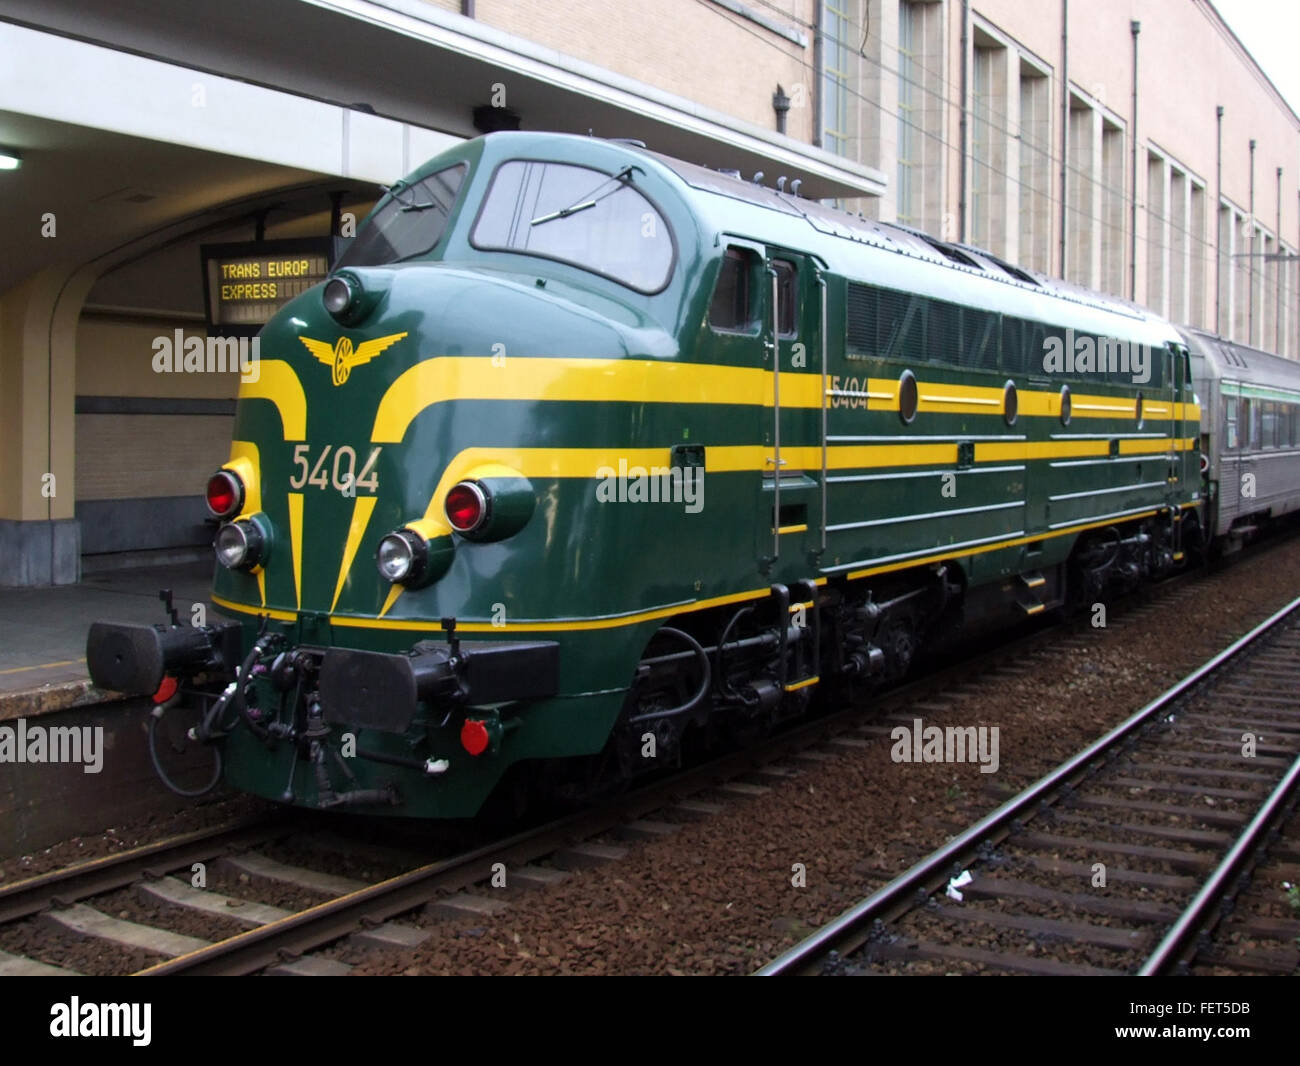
x,y
1250,295
1277,270
819,73
964,146
1135,27
1065,116
1218,210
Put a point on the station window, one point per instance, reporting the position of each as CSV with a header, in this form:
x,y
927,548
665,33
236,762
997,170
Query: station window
x,y
732,308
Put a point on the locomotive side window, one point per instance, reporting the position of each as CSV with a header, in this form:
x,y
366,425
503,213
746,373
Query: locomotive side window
x,y
409,223
787,295
732,307
593,220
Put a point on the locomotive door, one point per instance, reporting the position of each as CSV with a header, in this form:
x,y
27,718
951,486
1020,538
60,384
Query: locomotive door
x,y
1179,388
791,524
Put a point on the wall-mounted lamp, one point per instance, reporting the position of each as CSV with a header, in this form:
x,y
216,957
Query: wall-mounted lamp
x,y
10,159
781,105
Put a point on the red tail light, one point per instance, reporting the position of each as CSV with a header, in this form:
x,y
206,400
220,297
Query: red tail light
x,y
474,736
225,494
466,507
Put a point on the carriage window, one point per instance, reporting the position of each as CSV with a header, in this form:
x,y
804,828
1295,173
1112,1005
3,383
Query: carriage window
x,y
599,222
410,222
1230,439
787,293
732,307
1250,416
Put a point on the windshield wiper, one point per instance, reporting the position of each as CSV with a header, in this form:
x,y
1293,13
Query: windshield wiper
x,y
400,184
623,176
564,212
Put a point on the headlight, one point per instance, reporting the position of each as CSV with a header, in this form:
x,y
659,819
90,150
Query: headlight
x,y
240,545
397,556
337,296
415,555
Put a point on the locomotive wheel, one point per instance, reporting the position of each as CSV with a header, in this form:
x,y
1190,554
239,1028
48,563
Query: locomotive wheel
x,y
899,643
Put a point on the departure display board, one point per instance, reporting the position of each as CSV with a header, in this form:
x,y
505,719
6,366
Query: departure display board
x,y
245,284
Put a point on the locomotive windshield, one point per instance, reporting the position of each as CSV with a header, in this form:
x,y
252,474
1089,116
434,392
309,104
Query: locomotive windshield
x,y
409,223
593,220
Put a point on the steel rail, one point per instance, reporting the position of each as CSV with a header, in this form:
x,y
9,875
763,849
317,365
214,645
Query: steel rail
x,y
31,896
806,955
316,926
1178,942
24,898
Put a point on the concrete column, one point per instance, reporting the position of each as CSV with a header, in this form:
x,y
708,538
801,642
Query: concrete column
x,y
40,540
1096,218
1010,248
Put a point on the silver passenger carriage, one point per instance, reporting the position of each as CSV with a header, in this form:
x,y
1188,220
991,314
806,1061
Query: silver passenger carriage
x,y
1250,434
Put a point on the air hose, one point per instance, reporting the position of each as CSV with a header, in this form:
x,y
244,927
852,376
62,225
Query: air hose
x,y
155,716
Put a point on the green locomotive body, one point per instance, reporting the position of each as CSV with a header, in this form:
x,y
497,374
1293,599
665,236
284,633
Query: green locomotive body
x,y
581,447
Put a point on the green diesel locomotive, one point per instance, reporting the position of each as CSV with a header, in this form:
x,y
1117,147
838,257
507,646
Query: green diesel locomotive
x,y
582,452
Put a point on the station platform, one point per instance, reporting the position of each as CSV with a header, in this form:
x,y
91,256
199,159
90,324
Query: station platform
x,y
43,631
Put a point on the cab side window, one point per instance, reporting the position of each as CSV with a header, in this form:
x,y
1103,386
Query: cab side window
x,y
787,296
734,308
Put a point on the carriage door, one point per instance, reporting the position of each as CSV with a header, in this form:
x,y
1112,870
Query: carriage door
x,y
790,520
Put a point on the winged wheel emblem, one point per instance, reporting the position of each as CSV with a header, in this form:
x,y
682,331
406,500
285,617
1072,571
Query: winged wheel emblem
x,y
342,357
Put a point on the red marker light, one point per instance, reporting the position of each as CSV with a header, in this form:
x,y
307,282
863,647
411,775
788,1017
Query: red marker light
x,y
466,507
225,494
474,736
166,690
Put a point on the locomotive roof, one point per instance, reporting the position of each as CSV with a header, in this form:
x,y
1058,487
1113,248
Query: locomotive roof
x,y
854,247
959,272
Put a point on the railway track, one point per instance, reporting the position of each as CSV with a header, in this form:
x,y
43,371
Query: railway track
x,y
1124,859
282,940
289,939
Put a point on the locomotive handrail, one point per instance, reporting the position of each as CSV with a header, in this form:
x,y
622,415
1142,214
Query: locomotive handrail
x,y
821,285
776,410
